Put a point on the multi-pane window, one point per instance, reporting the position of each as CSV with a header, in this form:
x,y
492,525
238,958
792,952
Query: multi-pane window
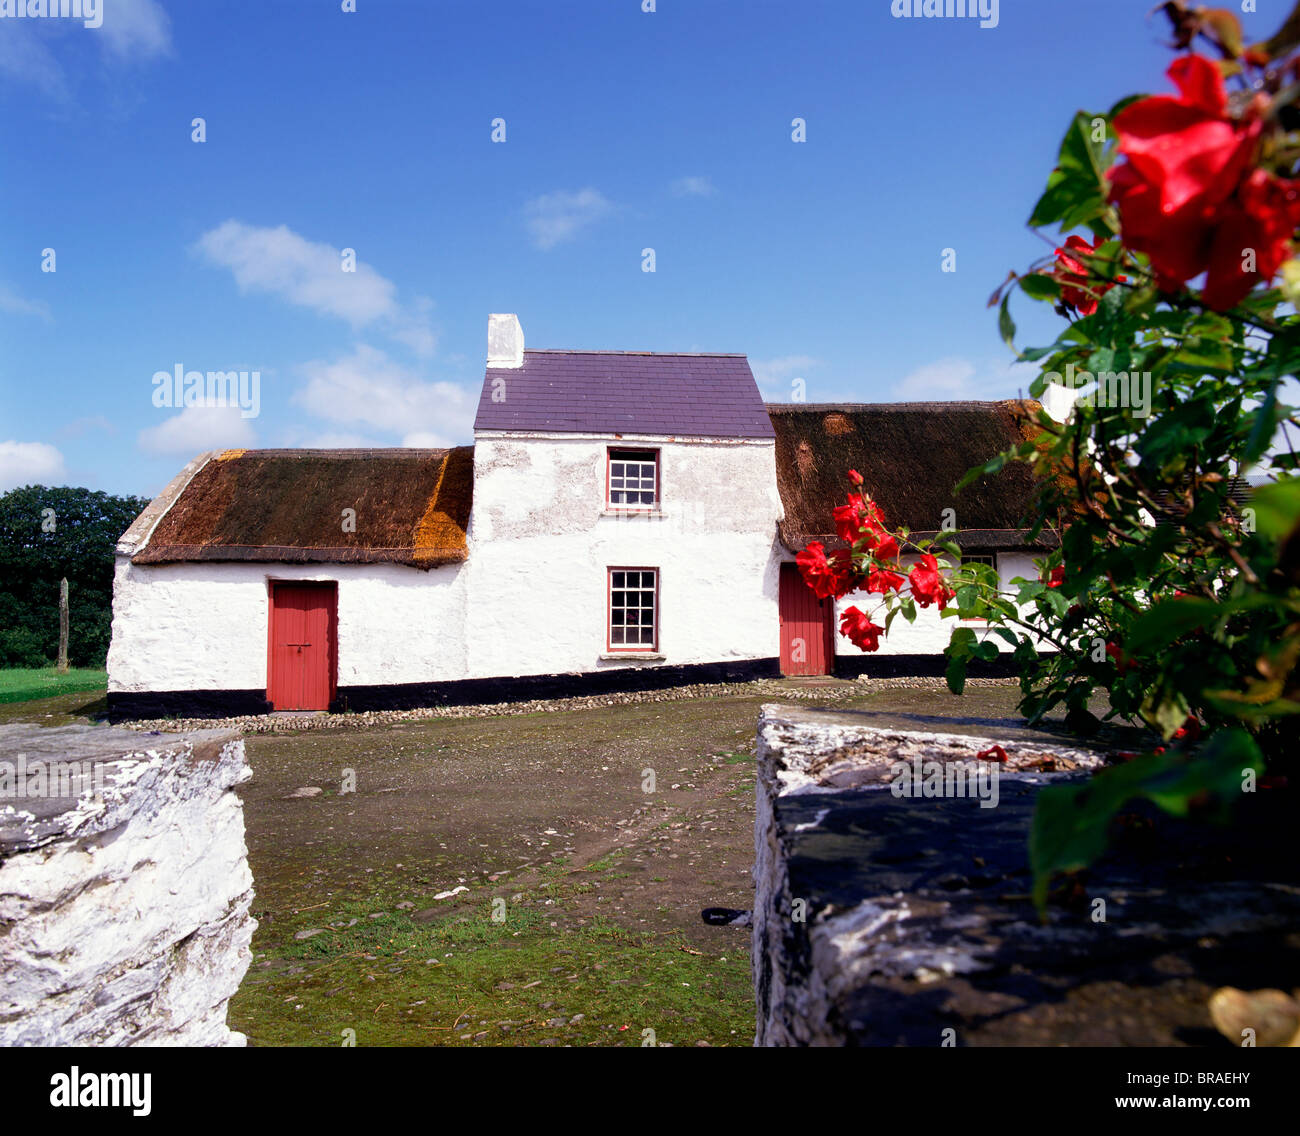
x,y
633,609
978,558
633,479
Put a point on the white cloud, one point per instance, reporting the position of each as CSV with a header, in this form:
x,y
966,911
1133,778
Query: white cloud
x,y
199,428
775,376
310,274
29,463
332,440
128,31
693,187
368,389
944,379
80,426
26,58
139,28
955,379
14,304
554,218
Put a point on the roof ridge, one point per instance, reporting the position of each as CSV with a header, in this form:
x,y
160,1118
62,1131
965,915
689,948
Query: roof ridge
x,y
669,354
801,407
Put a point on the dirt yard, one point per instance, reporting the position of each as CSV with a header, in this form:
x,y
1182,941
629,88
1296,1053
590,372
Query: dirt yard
x,y
571,891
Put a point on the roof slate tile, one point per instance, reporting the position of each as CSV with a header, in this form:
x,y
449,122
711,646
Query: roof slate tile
x,y
616,392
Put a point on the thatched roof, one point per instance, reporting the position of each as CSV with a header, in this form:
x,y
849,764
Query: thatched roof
x,y
911,455
287,506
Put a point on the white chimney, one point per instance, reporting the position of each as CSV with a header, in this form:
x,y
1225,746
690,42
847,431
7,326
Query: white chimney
x,y
505,341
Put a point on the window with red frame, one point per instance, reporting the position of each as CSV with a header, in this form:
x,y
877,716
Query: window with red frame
x,y
633,609
633,479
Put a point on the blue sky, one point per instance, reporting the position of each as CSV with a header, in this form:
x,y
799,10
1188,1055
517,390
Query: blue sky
x,y
625,130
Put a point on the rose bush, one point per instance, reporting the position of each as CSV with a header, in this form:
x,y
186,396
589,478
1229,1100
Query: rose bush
x,y
1174,597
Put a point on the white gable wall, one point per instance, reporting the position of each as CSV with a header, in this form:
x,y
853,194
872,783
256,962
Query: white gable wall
x,y
541,539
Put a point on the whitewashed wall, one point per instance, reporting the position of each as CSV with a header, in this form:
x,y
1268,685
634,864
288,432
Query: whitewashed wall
x,y
930,634
541,540
204,626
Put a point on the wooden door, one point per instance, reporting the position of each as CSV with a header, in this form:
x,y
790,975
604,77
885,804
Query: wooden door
x,y
806,626
301,663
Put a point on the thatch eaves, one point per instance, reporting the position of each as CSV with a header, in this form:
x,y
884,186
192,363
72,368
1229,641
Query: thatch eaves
x,y
911,456
287,506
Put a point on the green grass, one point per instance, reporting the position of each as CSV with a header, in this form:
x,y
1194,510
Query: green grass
x,y
396,981
21,684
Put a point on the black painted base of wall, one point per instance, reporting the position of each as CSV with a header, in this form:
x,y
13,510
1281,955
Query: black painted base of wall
x,y
462,692
125,705
575,684
919,666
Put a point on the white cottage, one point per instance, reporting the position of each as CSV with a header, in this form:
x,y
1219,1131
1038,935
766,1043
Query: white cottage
x,y
624,520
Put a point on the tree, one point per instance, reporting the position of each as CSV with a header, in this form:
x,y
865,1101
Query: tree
x,y
45,534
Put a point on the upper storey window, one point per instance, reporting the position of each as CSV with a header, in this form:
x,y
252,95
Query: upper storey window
x,y
633,479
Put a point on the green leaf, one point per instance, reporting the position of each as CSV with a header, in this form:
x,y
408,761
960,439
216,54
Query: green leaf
x,y
1266,422
961,643
1006,325
1277,507
1039,286
1168,621
1070,821
955,674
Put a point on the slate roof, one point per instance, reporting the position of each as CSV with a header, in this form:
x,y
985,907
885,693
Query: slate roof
x,y
625,392
412,507
911,455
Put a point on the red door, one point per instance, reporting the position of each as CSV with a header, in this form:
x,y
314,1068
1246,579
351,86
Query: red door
x,y
806,626
301,662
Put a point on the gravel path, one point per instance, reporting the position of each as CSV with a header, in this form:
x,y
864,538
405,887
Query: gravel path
x,y
778,689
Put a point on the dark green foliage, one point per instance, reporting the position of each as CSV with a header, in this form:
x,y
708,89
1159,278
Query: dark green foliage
x,y
37,549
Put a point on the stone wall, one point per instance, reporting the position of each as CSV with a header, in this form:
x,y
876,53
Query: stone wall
x,y
124,888
883,919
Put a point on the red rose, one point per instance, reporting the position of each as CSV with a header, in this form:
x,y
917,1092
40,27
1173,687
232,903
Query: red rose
x,y
1056,577
1191,730
859,630
848,519
926,585
1122,662
844,571
855,477
815,569
1188,196
1259,221
883,581
1073,277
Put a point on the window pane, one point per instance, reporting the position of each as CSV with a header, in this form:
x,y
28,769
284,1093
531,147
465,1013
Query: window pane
x,y
618,579
616,636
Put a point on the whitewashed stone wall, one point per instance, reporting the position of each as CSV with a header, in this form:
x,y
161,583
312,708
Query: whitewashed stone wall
x,y
541,539
124,904
204,626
